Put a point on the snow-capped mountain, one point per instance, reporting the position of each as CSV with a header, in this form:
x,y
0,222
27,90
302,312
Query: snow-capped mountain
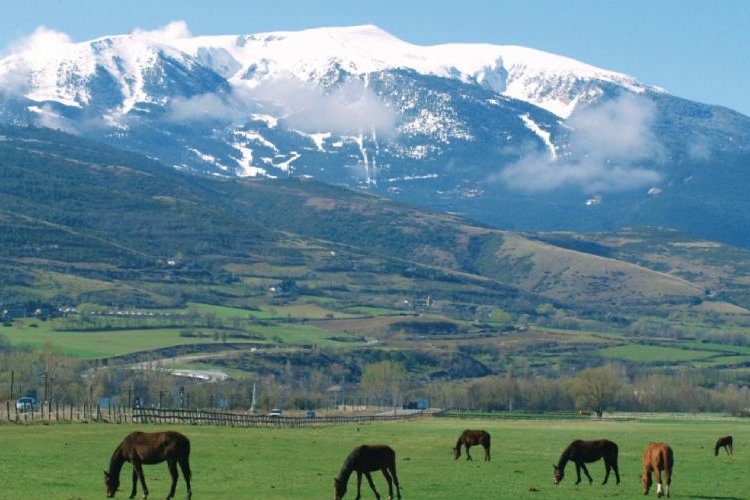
x,y
513,136
552,82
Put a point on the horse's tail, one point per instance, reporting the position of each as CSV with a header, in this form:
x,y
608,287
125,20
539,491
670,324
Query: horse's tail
x,y
185,465
487,439
670,459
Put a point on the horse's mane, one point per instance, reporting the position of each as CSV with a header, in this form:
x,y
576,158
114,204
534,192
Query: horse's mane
x,y
460,441
348,466
565,455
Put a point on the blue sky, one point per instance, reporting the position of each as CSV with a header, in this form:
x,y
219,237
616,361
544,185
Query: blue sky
x,y
697,49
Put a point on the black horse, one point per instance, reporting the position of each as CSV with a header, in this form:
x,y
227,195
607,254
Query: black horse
x,y
726,443
149,448
583,452
363,460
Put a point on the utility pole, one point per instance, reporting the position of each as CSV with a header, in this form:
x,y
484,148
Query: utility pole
x,y
254,403
12,377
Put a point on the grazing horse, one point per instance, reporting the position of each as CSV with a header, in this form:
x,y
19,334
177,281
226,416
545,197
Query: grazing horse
x,y
470,438
726,443
149,448
363,460
658,457
583,452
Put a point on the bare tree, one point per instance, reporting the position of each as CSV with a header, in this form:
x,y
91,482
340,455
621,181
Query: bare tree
x,y
384,380
596,388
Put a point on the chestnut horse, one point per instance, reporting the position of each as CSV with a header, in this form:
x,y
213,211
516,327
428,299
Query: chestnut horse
x,y
726,443
471,438
658,457
583,452
149,448
363,460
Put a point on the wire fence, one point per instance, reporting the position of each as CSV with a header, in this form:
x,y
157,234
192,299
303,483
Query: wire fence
x,y
57,411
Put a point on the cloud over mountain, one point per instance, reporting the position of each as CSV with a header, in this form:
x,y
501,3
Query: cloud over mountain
x,y
608,142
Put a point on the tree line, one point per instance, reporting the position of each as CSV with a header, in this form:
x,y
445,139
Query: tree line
x,y
49,374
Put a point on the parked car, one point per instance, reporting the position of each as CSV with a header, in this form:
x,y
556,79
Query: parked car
x,y
25,404
310,414
276,412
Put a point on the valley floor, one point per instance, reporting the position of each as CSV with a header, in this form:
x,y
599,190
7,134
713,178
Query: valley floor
x,y
66,461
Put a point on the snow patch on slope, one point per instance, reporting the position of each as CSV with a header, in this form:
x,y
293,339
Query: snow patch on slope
x,y
543,135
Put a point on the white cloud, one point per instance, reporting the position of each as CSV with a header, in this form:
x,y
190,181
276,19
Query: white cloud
x,y
205,107
609,142
41,39
47,117
14,74
349,109
174,30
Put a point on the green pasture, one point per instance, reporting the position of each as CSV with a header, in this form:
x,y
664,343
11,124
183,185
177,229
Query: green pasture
x,y
651,354
107,343
66,460
374,311
100,344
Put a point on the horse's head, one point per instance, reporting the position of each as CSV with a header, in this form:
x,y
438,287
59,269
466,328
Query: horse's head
x,y
112,483
557,474
646,480
456,452
339,488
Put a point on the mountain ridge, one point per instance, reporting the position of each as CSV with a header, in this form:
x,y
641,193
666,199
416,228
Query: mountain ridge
x,y
129,216
593,150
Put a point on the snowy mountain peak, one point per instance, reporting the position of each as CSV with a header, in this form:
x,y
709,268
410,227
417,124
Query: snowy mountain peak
x,y
553,82
57,69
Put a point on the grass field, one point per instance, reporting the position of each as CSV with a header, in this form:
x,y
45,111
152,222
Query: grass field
x,y
66,460
650,354
107,343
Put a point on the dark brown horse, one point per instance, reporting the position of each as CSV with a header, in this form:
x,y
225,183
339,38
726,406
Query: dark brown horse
x,y
363,460
726,443
583,452
658,457
471,438
149,448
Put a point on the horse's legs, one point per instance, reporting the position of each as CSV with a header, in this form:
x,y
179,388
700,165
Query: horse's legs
x,y
617,471
578,473
372,485
659,492
139,470
359,485
185,467
607,467
487,453
172,472
667,481
388,480
468,457
135,484
586,471
395,479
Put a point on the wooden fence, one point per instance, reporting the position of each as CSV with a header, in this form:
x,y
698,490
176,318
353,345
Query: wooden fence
x,y
56,411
